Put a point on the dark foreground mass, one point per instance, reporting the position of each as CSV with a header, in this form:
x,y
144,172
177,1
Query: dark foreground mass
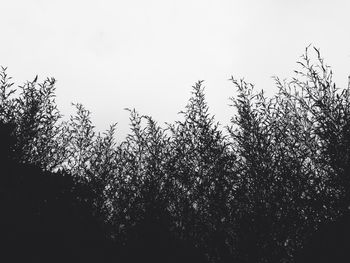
x,y
49,217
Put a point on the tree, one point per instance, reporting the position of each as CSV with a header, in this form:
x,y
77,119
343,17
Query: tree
x,y
201,170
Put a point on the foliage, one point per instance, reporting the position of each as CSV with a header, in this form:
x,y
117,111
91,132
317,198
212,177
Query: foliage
x,y
254,192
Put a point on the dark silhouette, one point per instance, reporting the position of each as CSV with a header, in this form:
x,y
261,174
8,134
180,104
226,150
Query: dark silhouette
x,y
274,187
330,243
50,217
46,217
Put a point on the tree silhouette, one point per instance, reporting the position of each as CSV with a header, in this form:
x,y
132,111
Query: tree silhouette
x,y
271,187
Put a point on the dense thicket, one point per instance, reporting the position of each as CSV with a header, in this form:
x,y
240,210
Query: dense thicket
x,y
47,217
255,191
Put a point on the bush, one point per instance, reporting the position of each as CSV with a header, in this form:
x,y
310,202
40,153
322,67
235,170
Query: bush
x,y
256,191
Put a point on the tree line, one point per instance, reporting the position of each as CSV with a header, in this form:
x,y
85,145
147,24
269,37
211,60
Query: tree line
x,y
257,190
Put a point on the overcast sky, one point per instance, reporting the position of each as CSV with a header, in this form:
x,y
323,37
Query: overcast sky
x,y
146,55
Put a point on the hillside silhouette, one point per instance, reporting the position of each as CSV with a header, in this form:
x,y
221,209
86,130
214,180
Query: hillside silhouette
x,y
46,217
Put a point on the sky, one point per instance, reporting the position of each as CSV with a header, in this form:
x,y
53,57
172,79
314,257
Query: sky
x,y
111,55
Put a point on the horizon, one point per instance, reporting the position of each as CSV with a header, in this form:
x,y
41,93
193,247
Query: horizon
x,y
147,56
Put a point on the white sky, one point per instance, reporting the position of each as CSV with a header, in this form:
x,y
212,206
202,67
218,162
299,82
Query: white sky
x,y
146,55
